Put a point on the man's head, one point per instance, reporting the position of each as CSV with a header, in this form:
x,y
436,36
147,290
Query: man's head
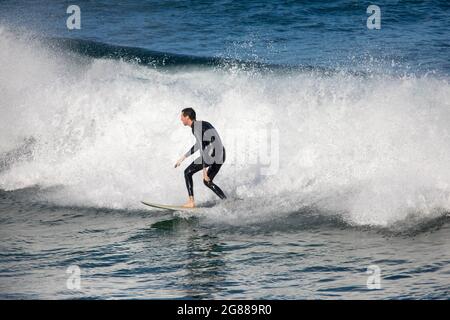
x,y
188,116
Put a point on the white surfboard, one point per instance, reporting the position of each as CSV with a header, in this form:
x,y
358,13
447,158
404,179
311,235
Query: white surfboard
x,y
167,207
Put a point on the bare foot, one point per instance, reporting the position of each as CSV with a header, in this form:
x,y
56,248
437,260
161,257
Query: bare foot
x,y
189,204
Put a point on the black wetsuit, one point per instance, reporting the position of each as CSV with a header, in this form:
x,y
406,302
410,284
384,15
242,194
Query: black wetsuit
x,y
212,156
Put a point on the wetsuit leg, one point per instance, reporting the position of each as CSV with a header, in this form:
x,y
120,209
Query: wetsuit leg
x,y
194,167
213,169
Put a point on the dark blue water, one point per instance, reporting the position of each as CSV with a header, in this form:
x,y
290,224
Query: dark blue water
x,y
413,33
89,127
135,254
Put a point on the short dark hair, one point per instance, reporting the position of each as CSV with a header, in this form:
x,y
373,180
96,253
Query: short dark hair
x,y
189,112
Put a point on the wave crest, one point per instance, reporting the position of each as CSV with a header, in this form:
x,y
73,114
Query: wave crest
x,y
371,148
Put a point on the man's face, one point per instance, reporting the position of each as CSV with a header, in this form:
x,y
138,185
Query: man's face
x,y
185,119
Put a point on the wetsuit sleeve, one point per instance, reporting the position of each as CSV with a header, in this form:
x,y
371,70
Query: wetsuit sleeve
x,y
211,142
192,150
203,159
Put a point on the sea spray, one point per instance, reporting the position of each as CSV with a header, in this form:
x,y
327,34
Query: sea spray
x,y
373,148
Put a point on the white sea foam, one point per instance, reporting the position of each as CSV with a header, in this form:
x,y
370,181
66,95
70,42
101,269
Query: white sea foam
x,y
107,134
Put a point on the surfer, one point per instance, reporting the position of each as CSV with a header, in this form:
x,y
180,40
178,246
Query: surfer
x,y
212,154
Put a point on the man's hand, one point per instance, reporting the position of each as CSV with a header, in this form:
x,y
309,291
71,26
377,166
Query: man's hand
x,y
179,161
205,175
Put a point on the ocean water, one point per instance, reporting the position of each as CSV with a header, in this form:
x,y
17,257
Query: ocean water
x,y
337,137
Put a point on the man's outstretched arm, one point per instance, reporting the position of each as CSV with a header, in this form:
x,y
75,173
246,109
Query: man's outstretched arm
x,y
190,152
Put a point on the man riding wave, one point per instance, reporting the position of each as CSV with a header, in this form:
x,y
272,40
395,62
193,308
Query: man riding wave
x,y
212,154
